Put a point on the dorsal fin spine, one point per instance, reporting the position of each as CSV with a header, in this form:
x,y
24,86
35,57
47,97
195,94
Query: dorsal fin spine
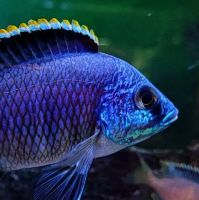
x,y
21,51
84,30
4,34
6,61
96,40
75,26
65,24
92,34
13,30
30,49
33,25
13,55
44,24
23,27
55,24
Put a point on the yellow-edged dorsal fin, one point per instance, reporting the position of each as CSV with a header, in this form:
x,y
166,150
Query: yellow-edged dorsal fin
x,y
44,38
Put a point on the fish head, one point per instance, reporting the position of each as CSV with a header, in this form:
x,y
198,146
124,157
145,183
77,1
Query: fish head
x,y
151,113
135,109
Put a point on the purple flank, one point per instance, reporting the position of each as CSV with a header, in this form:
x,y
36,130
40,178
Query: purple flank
x,y
46,111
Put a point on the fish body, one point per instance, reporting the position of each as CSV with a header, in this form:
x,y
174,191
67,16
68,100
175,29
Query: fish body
x,y
49,107
177,181
63,103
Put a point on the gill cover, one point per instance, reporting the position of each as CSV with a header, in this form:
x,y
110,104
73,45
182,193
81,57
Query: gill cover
x,y
114,116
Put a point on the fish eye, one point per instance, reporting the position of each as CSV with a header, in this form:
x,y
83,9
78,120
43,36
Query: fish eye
x,y
146,98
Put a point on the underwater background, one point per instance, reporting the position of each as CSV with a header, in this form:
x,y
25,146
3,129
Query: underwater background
x,y
160,38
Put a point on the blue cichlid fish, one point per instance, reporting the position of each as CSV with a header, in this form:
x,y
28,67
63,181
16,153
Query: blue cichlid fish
x,y
174,181
63,103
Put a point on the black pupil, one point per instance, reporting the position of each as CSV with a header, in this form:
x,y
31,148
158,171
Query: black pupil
x,y
147,99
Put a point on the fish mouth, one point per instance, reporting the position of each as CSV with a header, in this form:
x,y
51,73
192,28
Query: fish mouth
x,y
170,118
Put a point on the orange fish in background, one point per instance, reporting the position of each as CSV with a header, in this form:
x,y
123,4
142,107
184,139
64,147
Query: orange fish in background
x,y
173,182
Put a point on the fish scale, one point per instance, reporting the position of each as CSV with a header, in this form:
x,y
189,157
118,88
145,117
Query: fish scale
x,y
46,119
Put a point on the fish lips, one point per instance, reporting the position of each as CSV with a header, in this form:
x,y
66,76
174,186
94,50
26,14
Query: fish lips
x,y
170,118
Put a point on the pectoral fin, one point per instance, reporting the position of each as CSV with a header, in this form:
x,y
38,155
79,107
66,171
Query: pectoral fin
x,y
66,182
62,184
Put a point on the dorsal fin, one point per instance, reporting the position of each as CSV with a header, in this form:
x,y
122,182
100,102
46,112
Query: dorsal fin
x,y
180,170
44,38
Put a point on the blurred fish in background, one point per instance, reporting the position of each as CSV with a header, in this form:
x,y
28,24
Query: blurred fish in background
x,y
173,181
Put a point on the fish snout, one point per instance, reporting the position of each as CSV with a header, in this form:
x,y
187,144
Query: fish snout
x,y
170,117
